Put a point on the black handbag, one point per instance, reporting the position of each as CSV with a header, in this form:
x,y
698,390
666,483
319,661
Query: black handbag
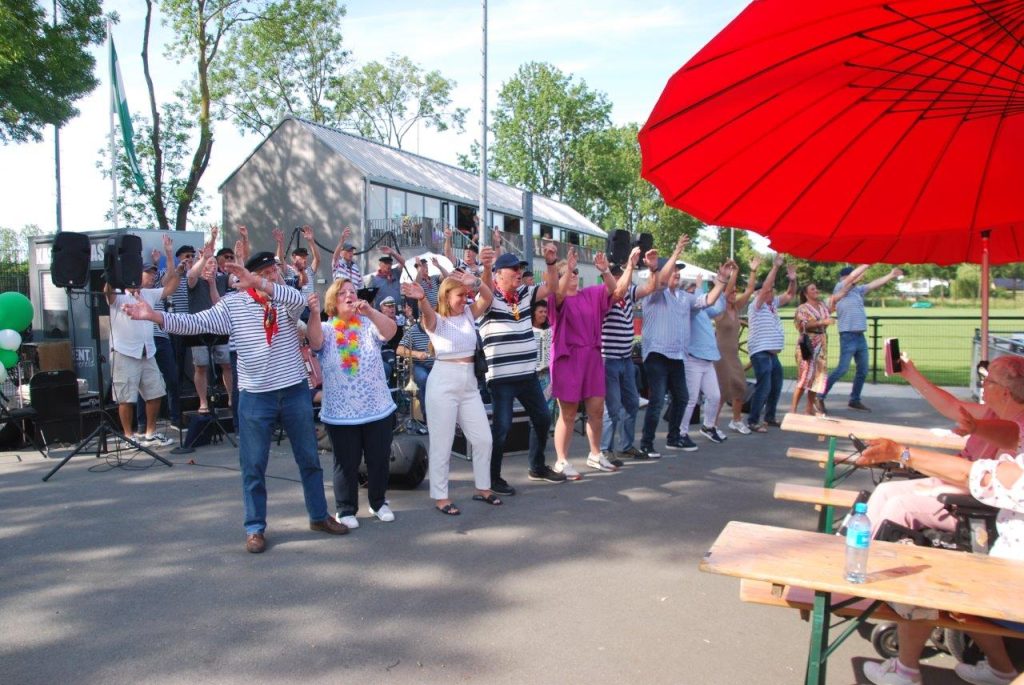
x,y
479,360
806,350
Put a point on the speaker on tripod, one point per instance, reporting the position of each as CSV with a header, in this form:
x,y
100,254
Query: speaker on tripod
x,y
122,261
620,247
70,257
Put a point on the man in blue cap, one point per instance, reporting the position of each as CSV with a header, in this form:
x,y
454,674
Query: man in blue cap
x,y
852,324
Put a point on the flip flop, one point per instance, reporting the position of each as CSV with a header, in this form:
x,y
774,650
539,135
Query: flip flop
x,y
449,509
491,499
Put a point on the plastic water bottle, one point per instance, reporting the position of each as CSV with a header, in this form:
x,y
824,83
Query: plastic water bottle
x,y
858,537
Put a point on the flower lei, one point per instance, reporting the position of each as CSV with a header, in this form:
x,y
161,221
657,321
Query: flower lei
x,y
346,339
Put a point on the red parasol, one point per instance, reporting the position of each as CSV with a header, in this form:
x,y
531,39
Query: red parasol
x,y
853,130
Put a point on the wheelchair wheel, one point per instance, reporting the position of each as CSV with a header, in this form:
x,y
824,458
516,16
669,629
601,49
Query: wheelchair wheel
x,y
883,639
962,647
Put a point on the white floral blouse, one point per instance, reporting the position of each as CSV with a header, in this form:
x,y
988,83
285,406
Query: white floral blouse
x,y
1009,500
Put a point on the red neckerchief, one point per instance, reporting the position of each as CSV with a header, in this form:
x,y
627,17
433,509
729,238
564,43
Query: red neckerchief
x,y
269,313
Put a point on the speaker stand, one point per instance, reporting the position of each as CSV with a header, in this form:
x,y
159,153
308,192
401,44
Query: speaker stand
x,y
100,434
214,376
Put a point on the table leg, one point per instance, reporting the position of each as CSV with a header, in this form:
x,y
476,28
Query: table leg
x,y
827,515
816,653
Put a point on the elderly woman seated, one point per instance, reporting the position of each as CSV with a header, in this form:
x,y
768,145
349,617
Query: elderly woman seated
x,y
997,482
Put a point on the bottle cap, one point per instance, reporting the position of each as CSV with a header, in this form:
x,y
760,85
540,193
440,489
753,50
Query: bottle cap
x,y
860,508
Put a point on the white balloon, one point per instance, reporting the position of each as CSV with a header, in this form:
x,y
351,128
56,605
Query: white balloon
x,y
10,340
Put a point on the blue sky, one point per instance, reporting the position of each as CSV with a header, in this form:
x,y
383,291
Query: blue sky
x,y
627,50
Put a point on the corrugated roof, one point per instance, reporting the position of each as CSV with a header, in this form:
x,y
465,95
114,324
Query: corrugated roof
x,y
388,165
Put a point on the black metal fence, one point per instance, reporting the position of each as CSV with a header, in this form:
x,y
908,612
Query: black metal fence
x,y
942,347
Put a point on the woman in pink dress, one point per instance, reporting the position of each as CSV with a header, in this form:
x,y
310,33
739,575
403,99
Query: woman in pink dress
x,y
577,368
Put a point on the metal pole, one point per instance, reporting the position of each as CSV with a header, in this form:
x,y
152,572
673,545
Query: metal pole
x,y
484,223
56,150
874,350
527,228
732,243
984,295
113,155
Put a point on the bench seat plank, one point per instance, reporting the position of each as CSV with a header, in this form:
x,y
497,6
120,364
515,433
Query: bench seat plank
x,y
829,497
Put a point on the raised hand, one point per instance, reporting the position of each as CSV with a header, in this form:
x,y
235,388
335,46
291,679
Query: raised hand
x,y
896,273
651,260
447,232
601,261
791,272
313,302
307,233
362,307
278,236
550,252
139,311
779,260
168,246
755,263
414,291
725,271
571,259
634,254
388,251
682,242
435,262
246,279
214,232
465,278
496,237
210,272
244,233
699,280
486,256
966,424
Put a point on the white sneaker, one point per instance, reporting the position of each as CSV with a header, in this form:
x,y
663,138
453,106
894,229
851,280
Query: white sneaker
x,y
350,522
885,673
643,402
156,439
739,427
566,469
599,462
384,513
982,674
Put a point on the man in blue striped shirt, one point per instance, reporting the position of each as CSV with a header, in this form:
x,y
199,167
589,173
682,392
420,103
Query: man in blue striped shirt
x,y
852,320
261,318
764,343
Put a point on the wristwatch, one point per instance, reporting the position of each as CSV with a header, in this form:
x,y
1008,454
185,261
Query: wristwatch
x,y
905,458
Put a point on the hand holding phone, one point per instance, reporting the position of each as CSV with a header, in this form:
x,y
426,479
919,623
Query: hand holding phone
x,y
858,444
893,363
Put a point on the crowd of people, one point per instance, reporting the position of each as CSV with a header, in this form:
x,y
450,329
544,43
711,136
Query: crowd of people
x,y
558,349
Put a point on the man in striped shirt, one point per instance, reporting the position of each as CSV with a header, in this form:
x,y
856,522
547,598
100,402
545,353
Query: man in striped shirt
x,y
507,333
261,318
343,263
764,343
622,401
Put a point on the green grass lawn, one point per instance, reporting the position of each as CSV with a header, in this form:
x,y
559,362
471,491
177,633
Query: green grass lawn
x,y
940,340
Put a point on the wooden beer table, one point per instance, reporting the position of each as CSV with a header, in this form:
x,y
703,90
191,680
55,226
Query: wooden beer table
x,y
922,576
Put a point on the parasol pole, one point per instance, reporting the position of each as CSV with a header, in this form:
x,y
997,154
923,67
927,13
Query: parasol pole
x,y
984,295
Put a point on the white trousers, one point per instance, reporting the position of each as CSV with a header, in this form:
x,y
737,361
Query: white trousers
x,y
700,378
453,397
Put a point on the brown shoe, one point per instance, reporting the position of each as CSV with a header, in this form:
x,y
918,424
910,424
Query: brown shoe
x,y
255,543
329,526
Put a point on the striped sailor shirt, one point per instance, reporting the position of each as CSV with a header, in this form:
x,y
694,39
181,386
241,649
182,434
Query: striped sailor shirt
x,y
261,367
666,327
509,345
766,333
617,328
850,315
349,270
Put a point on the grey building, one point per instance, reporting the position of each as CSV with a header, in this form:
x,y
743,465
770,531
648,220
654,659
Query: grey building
x,y
306,173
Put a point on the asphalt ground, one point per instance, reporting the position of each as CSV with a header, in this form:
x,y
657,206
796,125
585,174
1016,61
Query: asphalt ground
x,y
138,574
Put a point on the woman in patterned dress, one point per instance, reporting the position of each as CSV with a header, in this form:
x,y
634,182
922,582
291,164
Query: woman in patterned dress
x,y
357,407
812,318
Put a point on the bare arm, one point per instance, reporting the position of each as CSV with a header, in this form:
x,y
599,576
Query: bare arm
x,y
743,298
444,272
428,319
942,401
487,257
307,233
314,331
563,282
723,276
550,282
665,274
385,324
950,468
765,294
278,244
622,285
448,251
790,293
1003,434
109,293
196,272
601,264
484,296
651,284
882,280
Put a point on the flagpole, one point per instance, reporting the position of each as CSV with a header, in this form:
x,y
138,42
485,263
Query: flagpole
x,y
113,110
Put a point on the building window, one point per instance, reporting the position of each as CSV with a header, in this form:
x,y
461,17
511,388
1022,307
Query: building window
x,y
414,204
511,224
547,231
396,203
378,205
572,237
432,208
464,219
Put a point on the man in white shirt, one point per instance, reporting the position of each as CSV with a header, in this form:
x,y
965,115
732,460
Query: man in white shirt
x,y
133,356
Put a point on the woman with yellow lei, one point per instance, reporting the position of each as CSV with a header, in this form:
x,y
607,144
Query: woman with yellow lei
x,y
357,407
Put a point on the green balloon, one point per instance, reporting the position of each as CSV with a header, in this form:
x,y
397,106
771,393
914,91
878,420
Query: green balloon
x,y
8,358
15,311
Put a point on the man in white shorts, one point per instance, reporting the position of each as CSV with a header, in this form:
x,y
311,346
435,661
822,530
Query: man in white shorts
x,y
133,358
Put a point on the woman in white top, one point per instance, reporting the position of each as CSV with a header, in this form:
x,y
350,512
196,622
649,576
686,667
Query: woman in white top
x,y
452,388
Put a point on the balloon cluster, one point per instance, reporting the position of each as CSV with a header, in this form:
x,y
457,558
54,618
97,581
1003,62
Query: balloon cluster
x,y
15,315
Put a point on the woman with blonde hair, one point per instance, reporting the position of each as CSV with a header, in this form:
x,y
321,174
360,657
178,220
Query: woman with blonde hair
x,y
356,405
452,385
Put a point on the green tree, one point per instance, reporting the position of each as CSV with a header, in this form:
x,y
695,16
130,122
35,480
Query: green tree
x,y
44,69
384,101
284,62
14,243
541,121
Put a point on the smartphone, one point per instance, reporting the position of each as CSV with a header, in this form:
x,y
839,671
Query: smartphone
x,y
858,444
893,365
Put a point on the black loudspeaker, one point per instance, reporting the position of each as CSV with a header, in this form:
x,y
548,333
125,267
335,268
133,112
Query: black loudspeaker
x,y
620,246
645,242
122,261
69,260
408,465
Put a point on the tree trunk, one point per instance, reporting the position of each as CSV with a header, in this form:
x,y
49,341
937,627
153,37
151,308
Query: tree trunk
x,y
157,198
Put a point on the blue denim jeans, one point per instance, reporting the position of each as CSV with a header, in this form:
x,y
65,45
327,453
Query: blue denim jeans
x,y
621,401
768,373
420,373
852,345
663,373
530,395
259,413
169,370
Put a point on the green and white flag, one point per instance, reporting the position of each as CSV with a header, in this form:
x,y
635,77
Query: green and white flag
x,y
119,109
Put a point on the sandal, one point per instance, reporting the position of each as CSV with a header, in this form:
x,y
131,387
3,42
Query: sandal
x,y
491,499
759,428
449,509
